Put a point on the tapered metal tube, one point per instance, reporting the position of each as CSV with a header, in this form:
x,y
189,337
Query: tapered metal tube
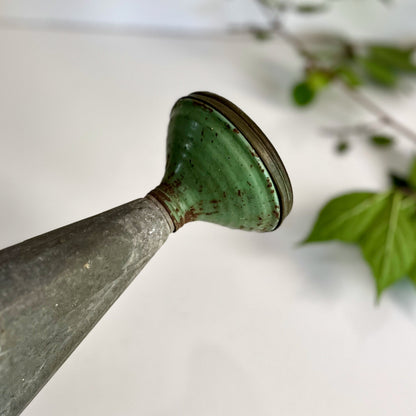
x,y
55,287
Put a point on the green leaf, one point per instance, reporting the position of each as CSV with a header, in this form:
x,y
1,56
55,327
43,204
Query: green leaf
x,y
311,8
274,4
349,76
412,274
382,140
384,226
342,147
412,175
318,80
303,94
398,181
389,243
347,217
409,206
261,34
393,57
379,73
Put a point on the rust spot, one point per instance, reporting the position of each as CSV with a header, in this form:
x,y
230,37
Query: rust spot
x,y
235,130
228,126
239,193
260,218
175,184
224,194
249,184
214,201
276,214
190,215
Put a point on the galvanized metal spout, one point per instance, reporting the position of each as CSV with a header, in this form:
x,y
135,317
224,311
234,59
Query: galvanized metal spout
x,y
55,287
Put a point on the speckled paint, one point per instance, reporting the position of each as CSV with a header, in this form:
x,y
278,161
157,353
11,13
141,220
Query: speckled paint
x,y
214,174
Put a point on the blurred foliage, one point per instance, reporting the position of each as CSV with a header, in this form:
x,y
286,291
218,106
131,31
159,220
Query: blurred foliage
x,y
303,93
357,66
382,224
382,141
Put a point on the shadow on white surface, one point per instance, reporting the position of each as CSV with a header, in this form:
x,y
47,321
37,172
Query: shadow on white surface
x,y
403,295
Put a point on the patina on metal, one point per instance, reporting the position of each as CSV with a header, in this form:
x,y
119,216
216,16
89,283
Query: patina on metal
x,y
221,168
55,287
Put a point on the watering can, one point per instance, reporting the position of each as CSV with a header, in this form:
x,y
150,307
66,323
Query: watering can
x,y
54,288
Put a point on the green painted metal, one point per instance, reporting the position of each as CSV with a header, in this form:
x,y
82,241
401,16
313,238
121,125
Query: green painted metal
x,y
214,172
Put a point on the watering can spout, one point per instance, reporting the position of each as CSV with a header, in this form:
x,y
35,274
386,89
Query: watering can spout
x,y
55,287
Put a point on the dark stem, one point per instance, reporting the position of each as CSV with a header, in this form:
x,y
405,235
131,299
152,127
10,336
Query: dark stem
x,y
292,40
381,114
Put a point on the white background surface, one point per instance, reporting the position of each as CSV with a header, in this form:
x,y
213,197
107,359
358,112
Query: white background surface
x,y
220,322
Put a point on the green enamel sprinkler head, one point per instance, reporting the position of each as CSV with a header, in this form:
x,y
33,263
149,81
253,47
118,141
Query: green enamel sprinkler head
x,y
55,287
221,168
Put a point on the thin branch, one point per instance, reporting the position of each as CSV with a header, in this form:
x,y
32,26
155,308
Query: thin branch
x,y
104,28
274,27
297,44
364,101
364,127
379,112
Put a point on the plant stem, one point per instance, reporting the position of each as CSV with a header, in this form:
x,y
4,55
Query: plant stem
x,y
363,100
379,112
292,40
360,128
274,26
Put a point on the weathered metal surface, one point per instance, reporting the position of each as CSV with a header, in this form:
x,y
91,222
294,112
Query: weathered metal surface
x,y
221,168
55,287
